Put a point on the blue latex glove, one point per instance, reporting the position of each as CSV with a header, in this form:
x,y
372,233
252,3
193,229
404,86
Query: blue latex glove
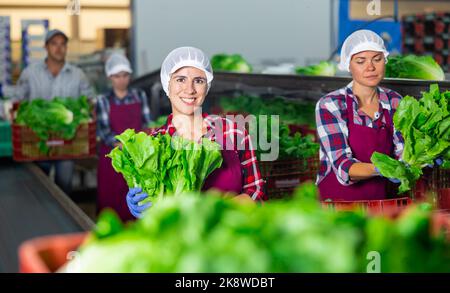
x,y
393,180
437,163
134,196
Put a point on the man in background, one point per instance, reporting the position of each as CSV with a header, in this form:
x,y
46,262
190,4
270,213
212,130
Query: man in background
x,y
49,78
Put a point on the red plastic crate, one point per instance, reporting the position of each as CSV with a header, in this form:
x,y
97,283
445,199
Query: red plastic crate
x,y
282,177
390,207
47,254
441,223
433,185
304,130
440,182
25,143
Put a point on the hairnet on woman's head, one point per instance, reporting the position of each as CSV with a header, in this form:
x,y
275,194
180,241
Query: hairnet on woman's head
x,y
360,41
182,57
117,63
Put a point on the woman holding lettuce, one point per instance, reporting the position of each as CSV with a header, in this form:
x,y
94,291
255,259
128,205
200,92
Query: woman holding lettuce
x,y
118,109
186,76
356,121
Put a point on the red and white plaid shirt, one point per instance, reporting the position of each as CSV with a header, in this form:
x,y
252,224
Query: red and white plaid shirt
x,y
240,142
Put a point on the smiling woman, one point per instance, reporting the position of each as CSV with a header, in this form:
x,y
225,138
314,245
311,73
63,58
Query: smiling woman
x,y
356,121
186,77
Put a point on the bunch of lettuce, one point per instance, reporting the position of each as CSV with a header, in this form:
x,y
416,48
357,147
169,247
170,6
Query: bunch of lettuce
x,y
425,127
162,164
233,63
59,116
211,233
415,67
323,68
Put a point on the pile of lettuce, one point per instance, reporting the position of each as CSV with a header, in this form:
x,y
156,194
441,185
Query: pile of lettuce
x,y
323,68
414,67
291,145
233,63
290,112
164,165
211,233
300,113
59,116
425,127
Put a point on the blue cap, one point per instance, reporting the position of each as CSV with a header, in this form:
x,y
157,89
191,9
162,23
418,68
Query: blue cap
x,y
51,33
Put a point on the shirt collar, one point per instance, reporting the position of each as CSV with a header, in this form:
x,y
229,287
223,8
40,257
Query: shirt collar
x,y
66,67
382,96
113,95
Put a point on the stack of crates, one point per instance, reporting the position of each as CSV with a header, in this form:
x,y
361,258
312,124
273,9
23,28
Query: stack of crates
x,y
428,34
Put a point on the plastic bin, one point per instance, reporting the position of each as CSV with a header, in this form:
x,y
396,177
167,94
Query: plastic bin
x,y
25,143
440,183
304,130
47,254
441,223
388,207
283,176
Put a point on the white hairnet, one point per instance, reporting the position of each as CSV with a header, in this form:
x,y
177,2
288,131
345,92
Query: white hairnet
x,y
117,63
182,57
359,41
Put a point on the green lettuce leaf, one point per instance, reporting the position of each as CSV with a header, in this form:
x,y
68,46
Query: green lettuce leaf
x,y
391,168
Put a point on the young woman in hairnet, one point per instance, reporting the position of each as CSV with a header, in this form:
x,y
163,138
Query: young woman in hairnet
x,y
118,109
356,121
186,76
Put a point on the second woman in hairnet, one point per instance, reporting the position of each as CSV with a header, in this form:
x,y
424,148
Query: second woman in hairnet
x,y
186,76
118,109
355,121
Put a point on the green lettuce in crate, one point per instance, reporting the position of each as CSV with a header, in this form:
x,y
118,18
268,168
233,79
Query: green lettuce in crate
x,y
291,146
233,63
59,116
425,127
323,68
162,164
289,110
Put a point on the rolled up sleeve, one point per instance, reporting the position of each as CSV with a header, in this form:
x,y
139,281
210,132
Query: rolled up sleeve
x,y
333,136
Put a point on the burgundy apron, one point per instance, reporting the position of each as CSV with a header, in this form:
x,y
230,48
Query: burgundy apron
x,y
363,142
112,188
227,178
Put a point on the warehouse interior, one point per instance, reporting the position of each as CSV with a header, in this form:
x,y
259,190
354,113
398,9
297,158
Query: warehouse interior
x,y
287,55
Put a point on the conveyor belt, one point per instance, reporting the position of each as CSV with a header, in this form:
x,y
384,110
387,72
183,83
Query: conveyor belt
x,y
30,206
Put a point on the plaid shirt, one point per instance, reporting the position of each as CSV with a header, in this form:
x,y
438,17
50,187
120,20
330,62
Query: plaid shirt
x,y
103,109
240,142
331,120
